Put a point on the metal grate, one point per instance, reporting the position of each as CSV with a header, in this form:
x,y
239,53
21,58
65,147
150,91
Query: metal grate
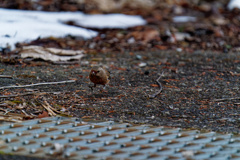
x,y
73,139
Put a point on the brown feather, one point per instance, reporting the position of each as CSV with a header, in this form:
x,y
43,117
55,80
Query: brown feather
x,y
99,75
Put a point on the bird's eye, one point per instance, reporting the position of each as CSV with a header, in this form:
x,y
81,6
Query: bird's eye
x,y
98,71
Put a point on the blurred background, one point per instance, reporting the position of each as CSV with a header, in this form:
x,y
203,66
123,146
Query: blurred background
x,y
171,24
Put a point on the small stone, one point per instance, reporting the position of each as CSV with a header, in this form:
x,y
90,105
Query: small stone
x,y
179,49
138,57
142,64
131,40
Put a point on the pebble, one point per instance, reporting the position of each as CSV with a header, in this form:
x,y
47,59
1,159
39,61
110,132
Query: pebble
x,y
179,49
138,57
131,40
142,64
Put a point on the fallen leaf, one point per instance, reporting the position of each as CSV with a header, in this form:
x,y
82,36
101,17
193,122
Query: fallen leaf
x,y
50,54
44,114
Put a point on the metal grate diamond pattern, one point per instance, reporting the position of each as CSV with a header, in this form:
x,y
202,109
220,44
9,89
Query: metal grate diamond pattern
x,y
73,139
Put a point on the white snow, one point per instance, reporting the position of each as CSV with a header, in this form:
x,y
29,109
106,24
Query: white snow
x,y
24,26
233,4
110,21
183,19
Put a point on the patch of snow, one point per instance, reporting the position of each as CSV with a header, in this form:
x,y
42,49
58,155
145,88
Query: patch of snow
x,y
25,26
233,4
183,19
110,21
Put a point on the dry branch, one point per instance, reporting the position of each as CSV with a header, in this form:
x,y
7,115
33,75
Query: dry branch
x,y
11,118
160,87
225,99
38,84
48,105
50,112
5,76
23,94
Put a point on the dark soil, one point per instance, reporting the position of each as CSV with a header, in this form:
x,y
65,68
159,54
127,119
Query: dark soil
x,y
200,89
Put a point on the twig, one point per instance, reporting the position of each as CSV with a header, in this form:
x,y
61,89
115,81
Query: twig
x,y
225,99
11,118
27,115
234,114
5,76
234,74
53,109
160,88
23,94
51,113
4,110
24,112
26,94
38,84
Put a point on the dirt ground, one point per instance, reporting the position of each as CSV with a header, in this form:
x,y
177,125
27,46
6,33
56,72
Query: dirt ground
x,y
199,90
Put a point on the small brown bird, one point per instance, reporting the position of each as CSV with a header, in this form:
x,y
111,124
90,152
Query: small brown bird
x,y
99,75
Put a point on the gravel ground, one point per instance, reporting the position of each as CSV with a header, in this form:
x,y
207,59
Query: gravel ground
x,y
200,89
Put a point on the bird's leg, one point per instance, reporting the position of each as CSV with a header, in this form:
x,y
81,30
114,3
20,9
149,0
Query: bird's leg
x,y
92,86
104,88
